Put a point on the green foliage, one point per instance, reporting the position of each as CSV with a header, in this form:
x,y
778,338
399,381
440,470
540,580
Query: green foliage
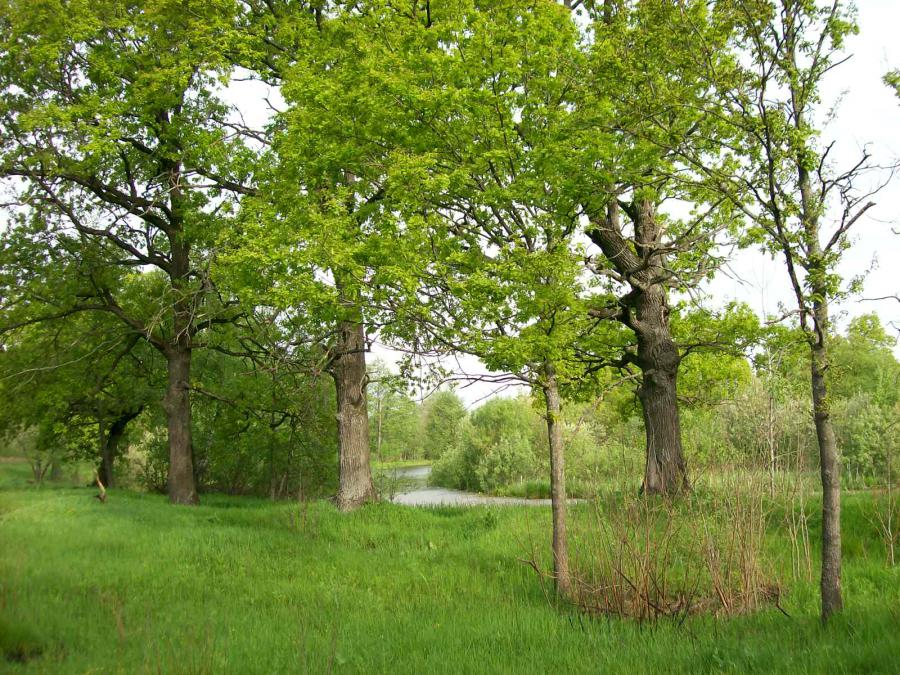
x,y
395,424
62,379
497,447
863,362
867,438
892,79
442,415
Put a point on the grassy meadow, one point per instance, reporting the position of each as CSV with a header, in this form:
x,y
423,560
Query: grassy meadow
x,y
242,585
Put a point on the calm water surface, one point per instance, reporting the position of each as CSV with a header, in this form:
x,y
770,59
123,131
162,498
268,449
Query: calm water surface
x,y
411,489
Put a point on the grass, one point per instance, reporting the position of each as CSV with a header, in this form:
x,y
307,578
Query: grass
x,y
241,585
400,464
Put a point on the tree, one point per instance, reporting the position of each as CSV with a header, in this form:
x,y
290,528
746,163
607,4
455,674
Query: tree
x,y
788,191
121,158
65,378
634,142
479,92
319,231
394,424
442,413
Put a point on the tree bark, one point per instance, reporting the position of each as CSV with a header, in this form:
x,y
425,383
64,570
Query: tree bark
x,y
109,446
349,372
177,404
657,356
829,461
561,572
645,310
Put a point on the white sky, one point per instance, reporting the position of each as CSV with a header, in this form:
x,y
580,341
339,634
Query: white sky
x,y
869,113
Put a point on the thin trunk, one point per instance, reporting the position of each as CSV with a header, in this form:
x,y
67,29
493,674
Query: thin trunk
x,y
829,462
770,441
177,404
830,468
557,483
380,425
349,372
272,478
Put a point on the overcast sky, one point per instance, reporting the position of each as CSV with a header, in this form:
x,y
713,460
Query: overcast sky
x,y
869,113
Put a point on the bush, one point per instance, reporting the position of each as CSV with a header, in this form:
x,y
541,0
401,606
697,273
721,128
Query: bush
x,y
496,447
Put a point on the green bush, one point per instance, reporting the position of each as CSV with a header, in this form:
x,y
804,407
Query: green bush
x,y
497,446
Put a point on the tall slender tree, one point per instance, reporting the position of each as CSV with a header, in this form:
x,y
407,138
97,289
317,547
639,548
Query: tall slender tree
x,y
801,207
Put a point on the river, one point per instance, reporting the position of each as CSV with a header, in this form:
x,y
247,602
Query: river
x,y
411,488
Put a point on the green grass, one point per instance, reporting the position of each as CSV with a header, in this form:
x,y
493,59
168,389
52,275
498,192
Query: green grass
x,y
242,585
530,489
400,464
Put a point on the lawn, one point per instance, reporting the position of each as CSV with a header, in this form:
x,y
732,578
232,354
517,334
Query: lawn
x,y
241,585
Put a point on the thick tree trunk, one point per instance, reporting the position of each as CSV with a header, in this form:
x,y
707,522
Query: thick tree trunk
x,y
182,484
658,358
665,471
177,403
557,483
349,372
645,310
830,468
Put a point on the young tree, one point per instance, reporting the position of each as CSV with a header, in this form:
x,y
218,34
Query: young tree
x,y
67,377
121,157
480,91
790,189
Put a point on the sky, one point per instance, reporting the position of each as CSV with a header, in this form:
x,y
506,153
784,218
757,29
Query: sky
x,y
868,113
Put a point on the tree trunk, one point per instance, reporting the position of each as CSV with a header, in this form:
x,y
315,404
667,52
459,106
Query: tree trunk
x,y
557,483
658,358
349,372
109,445
645,310
177,404
56,473
830,468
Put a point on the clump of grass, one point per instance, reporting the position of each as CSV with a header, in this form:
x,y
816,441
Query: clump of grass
x,y
647,558
17,642
530,489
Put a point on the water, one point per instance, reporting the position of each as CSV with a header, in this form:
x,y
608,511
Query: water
x,y
412,490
